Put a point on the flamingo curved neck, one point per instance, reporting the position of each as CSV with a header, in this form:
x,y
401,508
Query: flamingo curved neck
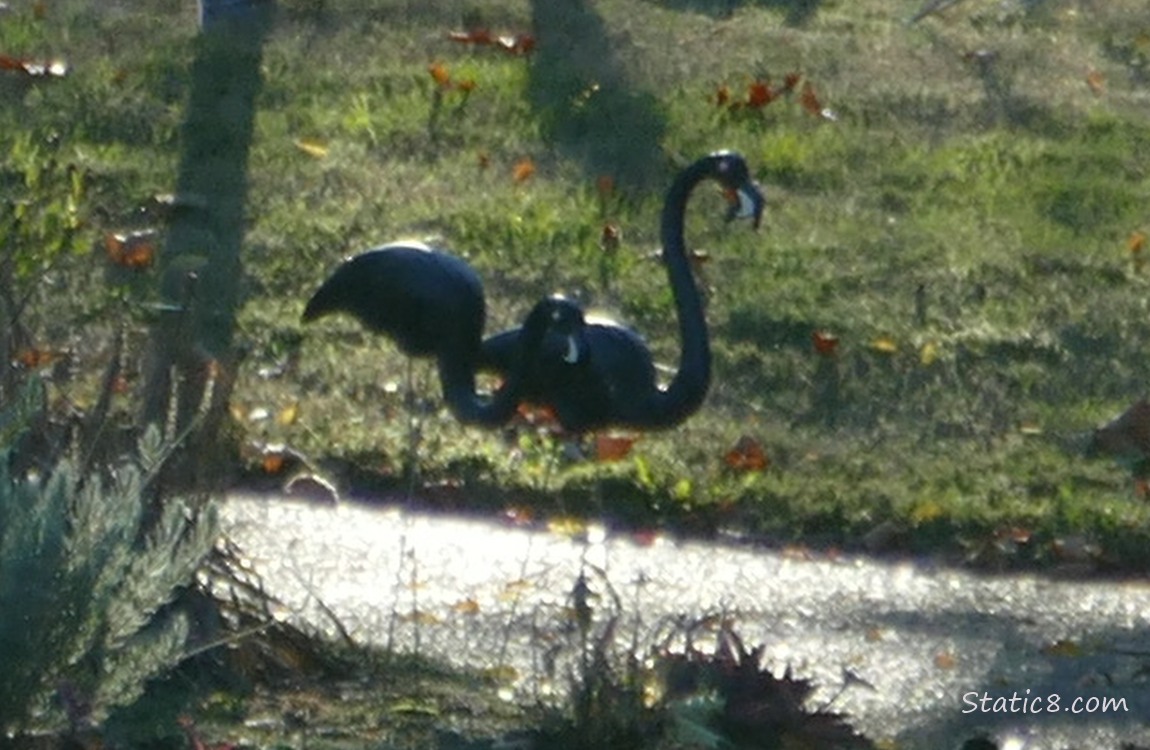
x,y
457,367
686,391
457,378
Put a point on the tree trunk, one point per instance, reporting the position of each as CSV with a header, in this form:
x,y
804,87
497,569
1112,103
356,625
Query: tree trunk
x,y
192,362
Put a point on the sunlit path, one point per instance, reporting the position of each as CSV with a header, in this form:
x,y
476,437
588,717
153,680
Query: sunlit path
x,y
486,595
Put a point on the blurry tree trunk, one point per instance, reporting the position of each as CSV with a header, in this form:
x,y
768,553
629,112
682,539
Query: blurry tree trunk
x,y
191,362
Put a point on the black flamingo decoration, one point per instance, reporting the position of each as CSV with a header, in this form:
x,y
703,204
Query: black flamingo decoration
x,y
601,374
431,304
592,374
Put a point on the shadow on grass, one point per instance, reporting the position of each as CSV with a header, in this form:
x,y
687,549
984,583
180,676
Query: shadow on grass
x,y
582,94
798,12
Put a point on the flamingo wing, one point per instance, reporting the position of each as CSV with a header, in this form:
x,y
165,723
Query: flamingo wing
x,y
425,300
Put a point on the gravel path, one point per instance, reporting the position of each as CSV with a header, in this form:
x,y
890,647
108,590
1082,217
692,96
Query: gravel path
x,y
935,651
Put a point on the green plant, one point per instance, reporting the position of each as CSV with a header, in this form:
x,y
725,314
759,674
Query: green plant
x,y
86,580
41,196
44,195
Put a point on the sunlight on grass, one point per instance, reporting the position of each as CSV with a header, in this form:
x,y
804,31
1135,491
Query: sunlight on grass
x,y
960,230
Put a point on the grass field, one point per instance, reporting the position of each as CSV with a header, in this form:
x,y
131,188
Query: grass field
x,y
947,295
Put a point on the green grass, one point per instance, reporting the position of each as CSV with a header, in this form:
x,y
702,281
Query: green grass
x,y
972,216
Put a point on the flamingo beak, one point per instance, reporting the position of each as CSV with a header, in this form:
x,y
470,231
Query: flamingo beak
x,y
747,202
572,355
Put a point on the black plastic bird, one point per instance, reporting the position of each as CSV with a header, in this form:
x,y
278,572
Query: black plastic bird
x,y
608,378
431,304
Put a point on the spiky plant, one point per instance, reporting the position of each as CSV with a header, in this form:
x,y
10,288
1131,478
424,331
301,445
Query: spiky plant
x,y
85,579
731,699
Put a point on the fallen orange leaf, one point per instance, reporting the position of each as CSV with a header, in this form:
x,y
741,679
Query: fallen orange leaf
x,y
825,343
536,413
746,455
34,359
471,36
811,104
645,537
515,44
523,169
35,68
131,249
810,100
1136,242
518,515
613,447
1096,81
519,44
759,94
1015,534
610,237
439,74
273,463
